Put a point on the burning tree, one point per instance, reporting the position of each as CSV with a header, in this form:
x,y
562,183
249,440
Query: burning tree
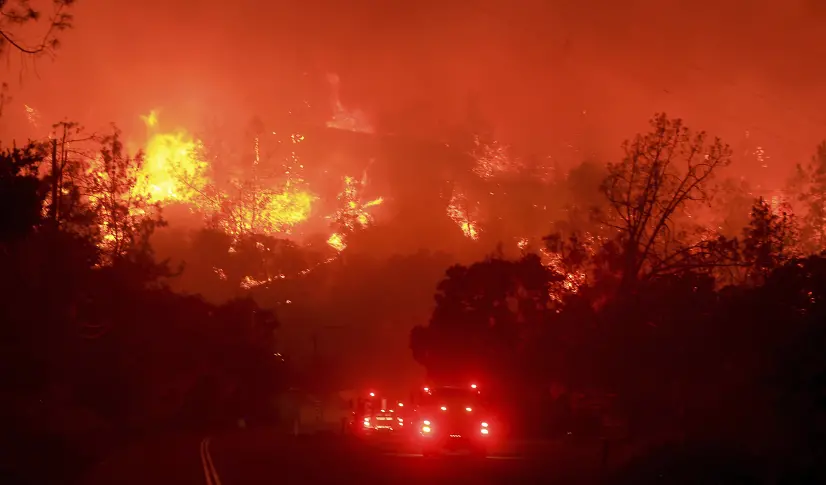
x,y
254,208
662,175
352,213
124,215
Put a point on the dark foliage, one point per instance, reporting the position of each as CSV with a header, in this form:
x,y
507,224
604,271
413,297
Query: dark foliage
x,y
726,346
94,349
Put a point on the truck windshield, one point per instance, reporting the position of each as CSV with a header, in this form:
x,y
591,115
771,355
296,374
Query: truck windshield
x,y
451,397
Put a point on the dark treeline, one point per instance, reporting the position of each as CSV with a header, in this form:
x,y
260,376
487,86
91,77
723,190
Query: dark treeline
x,y
95,350
659,323
647,327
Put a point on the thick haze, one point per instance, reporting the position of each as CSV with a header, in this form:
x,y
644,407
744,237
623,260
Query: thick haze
x,y
567,78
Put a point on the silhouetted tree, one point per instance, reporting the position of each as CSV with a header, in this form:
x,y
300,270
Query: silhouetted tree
x,y
21,191
649,193
770,240
71,153
484,315
91,338
811,181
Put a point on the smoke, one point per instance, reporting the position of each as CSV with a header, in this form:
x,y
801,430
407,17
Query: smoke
x,y
568,79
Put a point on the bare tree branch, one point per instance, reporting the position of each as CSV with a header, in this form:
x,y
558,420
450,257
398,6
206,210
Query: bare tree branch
x,y
662,174
17,13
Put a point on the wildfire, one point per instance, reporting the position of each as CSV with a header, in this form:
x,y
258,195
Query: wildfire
x,y
462,215
336,241
573,280
172,169
352,213
255,209
492,159
267,199
574,277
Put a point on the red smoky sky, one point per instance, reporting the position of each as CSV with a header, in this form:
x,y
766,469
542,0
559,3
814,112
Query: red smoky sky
x,y
570,79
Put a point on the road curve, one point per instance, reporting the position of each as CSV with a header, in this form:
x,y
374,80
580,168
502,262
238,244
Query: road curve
x,y
251,457
210,474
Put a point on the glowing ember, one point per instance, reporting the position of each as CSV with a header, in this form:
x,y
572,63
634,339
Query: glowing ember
x,y
492,159
336,241
33,116
248,282
573,280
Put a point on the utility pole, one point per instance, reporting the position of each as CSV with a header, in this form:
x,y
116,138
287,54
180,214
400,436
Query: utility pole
x,y
53,207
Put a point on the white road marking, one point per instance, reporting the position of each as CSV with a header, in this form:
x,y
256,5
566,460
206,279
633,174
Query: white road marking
x,y
210,474
205,463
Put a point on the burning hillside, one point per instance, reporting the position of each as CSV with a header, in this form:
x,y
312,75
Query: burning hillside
x,y
342,183
304,182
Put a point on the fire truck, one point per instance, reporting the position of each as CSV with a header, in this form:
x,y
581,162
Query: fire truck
x,y
452,419
374,413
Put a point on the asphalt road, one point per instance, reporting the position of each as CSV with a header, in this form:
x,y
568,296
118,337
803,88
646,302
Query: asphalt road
x,y
265,457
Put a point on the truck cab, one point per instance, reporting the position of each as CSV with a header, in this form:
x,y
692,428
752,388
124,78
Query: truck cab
x,y
452,419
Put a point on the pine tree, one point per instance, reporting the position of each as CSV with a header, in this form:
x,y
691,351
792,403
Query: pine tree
x,y
812,186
